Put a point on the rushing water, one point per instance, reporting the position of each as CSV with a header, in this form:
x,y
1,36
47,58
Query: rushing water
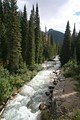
x,y
26,104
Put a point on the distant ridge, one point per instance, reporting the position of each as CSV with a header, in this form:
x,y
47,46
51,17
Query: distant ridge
x,y
57,35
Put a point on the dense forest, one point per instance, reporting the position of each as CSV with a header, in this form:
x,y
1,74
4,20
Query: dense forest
x,y
23,47
71,46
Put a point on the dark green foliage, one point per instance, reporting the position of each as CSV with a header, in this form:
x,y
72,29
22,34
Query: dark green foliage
x,y
15,38
0,26
36,67
45,115
40,60
3,46
65,50
70,68
78,48
24,34
37,35
73,44
31,41
1,11
7,24
5,88
49,46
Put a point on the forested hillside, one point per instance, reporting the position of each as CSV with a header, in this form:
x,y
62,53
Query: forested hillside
x,y
23,46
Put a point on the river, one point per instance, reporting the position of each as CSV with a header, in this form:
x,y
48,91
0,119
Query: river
x,y
25,106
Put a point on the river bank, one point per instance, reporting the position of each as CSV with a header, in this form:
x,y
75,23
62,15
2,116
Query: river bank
x,y
66,97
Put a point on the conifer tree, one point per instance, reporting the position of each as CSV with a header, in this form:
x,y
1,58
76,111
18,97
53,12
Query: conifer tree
x,y
1,11
24,33
7,24
45,40
3,45
31,41
51,46
40,60
15,38
37,35
78,48
65,50
73,42
0,26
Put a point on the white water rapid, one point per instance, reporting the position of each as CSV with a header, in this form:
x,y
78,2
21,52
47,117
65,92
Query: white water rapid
x,y
25,106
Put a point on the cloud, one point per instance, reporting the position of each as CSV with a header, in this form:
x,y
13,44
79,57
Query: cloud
x,y
55,13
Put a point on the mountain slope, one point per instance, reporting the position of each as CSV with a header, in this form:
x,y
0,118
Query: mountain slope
x,y
57,35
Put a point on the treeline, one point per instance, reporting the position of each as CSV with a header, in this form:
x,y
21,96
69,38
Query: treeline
x,y
71,46
21,40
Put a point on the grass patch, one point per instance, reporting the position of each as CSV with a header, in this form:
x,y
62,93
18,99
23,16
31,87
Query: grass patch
x,y
45,115
74,115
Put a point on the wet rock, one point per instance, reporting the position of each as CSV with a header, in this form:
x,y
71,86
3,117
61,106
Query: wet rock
x,y
61,79
51,90
48,105
47,93
50,97
55,82
51,87
54,71
50,102
43,106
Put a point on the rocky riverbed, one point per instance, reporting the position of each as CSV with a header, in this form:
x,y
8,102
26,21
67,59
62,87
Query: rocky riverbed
x,y
63,97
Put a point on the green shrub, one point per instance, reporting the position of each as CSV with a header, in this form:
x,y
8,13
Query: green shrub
x,y
45,115
5,89
36,67
75,115
70,68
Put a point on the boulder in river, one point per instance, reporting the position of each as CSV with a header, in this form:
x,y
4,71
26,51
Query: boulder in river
x,y
47,93
55,82
51,87
51,90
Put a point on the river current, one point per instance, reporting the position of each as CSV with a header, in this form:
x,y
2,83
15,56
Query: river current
x,y
25,106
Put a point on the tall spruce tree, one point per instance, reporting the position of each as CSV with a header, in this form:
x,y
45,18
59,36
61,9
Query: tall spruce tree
x,y
0,26
15,38
73,43
7,24
31,41
45,44
24,33
40,59
3,44
1,11
78,48
37,35
52,46
65,50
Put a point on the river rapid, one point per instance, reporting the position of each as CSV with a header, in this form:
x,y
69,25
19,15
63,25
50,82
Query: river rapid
x,y
25,106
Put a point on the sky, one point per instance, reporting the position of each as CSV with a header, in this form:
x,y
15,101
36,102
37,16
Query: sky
x,y
55,13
